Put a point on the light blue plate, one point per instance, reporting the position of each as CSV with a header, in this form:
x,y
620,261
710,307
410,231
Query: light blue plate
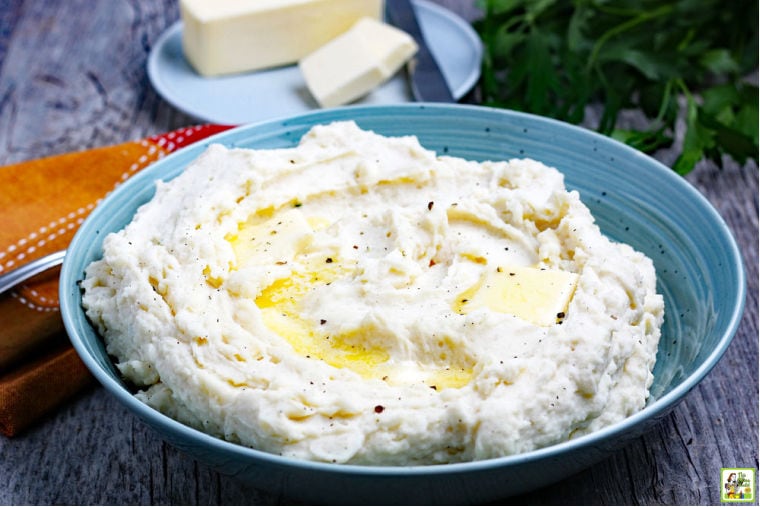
x,y
635,199
266,94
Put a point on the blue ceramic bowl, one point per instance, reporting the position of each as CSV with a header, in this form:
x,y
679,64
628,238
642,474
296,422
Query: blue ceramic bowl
x,y
634,198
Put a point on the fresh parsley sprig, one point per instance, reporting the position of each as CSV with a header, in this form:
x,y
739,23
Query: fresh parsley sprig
x,y
668,58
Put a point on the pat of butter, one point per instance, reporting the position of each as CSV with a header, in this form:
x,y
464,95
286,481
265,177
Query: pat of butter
x,y
232,36
351,65
540,296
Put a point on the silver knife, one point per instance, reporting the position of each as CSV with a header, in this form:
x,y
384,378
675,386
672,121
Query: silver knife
x,y
427,81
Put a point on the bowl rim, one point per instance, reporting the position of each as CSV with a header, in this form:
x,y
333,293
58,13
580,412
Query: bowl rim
x,y
69,306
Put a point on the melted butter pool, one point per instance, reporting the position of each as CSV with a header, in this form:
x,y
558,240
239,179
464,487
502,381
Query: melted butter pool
x,y
284,238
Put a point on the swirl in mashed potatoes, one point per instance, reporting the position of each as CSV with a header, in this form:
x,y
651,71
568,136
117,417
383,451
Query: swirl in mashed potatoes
x,y
359,299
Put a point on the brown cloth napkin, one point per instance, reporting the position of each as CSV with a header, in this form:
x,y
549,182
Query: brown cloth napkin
x,y
42,203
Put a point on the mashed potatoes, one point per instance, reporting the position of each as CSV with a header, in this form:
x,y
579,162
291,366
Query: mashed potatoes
x,y
359,299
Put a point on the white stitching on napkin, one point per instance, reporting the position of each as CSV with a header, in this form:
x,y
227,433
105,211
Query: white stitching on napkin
x,y
32,306
62,226
141,163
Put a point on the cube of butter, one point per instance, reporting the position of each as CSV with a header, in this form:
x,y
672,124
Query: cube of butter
x,y
233,36
352,64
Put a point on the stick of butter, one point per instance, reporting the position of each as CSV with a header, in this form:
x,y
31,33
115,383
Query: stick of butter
x,y
232,36
354,63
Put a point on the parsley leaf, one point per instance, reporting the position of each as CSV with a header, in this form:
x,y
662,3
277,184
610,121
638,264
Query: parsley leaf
x,y
672,59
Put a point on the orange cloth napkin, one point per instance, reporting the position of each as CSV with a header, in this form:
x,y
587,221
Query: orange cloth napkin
x,y
42,203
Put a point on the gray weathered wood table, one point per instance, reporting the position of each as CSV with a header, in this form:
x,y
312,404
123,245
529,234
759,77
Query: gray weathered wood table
x,y
73,76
